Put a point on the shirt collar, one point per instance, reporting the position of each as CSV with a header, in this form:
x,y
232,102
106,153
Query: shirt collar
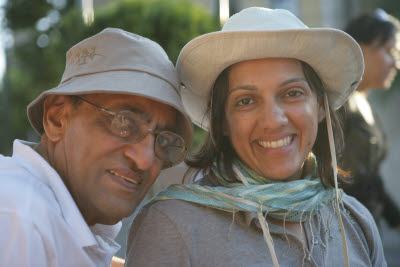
x,y
105,236
40,169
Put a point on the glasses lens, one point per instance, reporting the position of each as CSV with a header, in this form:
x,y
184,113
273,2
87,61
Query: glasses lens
x,y
128,125
170,148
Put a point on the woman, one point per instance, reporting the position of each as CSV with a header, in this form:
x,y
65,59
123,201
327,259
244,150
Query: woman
x,y
366,146
258,87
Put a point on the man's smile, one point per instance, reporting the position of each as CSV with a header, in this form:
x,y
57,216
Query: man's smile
x,y
131,180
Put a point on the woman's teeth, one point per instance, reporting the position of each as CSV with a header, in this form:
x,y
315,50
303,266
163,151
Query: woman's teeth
x,y
276,144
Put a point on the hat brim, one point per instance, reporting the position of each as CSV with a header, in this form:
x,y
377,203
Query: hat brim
x,y
117,82
333,54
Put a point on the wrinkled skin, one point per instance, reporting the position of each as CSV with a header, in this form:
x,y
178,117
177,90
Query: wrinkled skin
x,y
92,161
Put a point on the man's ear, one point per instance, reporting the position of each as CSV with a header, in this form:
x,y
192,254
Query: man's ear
x,y
55,116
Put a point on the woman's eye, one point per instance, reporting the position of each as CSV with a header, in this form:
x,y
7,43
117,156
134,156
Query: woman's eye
x,y
295,93
245,101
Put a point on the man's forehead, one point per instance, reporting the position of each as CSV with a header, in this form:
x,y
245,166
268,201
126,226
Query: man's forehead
x,y
126,101
146,107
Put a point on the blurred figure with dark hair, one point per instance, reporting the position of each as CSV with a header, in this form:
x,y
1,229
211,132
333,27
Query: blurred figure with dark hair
x,y
366,145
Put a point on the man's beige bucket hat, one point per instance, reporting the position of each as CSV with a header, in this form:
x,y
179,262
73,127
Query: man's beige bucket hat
x,y
118,62
256,33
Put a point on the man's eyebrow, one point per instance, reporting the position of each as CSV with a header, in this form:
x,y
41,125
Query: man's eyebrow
x,y
147,116
137,110
172,127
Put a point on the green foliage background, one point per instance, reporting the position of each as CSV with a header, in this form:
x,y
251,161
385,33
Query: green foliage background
x,y
32,69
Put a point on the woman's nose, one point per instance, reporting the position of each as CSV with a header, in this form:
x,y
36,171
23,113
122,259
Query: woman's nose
x,y
272,116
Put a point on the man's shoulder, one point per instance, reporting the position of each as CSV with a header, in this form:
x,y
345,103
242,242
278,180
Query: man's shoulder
x,y
8,165
21,194
12,170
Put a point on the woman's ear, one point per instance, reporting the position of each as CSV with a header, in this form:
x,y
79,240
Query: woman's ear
x,y
321,113
55,110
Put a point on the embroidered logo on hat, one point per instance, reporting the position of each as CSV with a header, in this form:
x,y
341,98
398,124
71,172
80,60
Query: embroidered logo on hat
x,y
84,55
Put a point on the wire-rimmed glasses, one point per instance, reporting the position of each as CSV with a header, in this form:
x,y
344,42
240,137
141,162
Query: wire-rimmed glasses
x,y
130,126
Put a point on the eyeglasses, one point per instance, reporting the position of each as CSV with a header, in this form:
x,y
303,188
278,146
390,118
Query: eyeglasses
x,y
130,126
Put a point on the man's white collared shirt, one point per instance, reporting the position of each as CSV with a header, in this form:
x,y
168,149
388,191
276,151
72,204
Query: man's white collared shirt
x,y
39,220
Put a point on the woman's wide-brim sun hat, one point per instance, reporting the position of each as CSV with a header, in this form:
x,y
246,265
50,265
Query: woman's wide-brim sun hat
x,y
256,33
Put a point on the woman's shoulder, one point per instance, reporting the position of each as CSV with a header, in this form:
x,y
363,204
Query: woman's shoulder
x,y
361,219
174,207
356,209
179,211
160,233
361,223
174,220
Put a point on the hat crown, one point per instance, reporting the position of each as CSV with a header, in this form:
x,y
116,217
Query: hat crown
x,y
256,33
115,61
97,54
256,19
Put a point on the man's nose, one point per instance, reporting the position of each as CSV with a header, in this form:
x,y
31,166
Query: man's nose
x,y
142,153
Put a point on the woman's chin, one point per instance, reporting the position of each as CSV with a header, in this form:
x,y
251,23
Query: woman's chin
x,y
279,175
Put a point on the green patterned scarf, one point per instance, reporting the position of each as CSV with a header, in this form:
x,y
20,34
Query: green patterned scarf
x,y
291,201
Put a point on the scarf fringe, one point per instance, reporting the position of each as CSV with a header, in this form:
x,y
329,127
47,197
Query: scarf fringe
x,y
334,168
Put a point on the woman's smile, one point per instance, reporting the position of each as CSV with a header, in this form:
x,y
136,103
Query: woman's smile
x,y
283,142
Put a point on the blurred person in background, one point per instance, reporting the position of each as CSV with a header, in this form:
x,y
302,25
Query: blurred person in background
x,y
365,142
107,130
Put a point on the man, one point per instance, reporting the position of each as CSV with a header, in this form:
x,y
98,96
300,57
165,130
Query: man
x,y
107,130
